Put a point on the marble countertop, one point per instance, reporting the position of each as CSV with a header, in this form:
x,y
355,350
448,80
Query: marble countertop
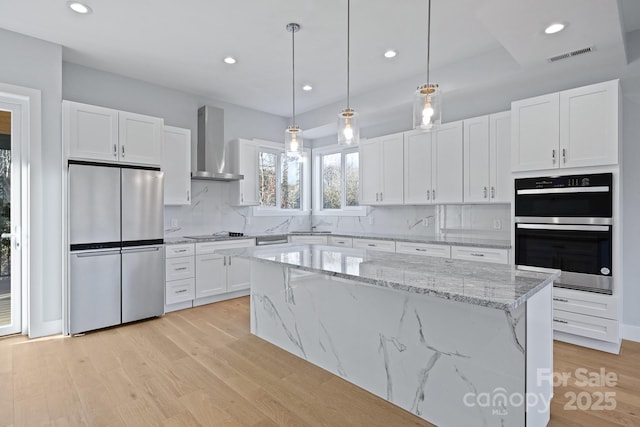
x,y
462,241
498,286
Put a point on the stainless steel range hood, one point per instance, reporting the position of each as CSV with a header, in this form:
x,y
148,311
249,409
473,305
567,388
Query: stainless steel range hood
x,y
211,151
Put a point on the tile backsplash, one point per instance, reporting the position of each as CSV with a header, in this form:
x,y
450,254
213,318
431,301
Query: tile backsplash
x,y
210,212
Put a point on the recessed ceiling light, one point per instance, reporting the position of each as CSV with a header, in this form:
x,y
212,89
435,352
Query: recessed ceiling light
x,y
554,28
390,54
230,60
79,7
307,87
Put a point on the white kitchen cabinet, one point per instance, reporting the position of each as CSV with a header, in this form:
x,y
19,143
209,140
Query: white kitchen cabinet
x,y
573,128
309,239
586,326
487,166
375,244
140,138
381,170
176,165
245,162
90,132
103,134
179,276
345,242
417,167
424,249
469,253
589,125
217,274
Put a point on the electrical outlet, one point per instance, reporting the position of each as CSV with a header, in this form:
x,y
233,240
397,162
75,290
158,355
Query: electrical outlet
x,y
370,220
497,224
174,222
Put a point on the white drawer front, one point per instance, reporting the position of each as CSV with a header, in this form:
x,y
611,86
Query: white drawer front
x,y
179,291
480,254
586,326
346,242
210,247
588,303
311,240
375,245
425,249
179,268
172,251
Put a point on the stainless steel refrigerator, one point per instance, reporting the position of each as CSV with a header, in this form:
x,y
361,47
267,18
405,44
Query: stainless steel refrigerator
x,y
116,216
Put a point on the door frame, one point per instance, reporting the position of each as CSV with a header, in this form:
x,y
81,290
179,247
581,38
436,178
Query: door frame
x,y
27,101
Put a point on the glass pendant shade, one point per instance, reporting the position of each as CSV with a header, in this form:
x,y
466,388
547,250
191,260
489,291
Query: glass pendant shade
x,y
348,129
427,107
293,141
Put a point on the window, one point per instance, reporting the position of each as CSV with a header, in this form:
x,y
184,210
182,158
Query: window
x,y
281,183
336,184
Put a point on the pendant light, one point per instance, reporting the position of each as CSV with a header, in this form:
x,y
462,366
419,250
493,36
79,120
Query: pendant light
x,y
348,129
293,134
427,109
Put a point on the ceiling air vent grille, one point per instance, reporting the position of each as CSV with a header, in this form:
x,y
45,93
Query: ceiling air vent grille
x,y
571,54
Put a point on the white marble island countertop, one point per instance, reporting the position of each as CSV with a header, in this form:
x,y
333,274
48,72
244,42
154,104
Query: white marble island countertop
x,y
497,286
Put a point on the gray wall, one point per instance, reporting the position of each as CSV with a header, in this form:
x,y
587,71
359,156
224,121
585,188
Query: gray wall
x,y
33,63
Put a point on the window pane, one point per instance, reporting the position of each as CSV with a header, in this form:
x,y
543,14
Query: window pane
x,y
351,170
331,181
267,178
290,182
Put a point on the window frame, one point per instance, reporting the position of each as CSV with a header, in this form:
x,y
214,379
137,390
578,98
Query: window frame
x,y
317,190
305,182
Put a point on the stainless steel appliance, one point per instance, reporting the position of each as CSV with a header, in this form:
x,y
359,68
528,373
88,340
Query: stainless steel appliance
x,y
116,217
565,222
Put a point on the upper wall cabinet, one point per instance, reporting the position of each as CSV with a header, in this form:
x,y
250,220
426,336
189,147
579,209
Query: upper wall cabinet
x,y
176,165
381,170
487,159
104,134
433,165
573,128
244,155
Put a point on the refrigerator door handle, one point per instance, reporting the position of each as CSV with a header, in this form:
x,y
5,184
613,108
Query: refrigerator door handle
x,y
141,249
94,253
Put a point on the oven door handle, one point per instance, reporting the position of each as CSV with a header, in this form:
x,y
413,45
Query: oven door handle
x,y
563,227
598,189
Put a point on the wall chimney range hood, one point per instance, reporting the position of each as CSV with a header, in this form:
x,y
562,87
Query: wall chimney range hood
x,y
211,150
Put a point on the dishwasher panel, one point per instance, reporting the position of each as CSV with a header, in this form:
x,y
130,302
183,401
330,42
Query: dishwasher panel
x,y
142,282
94,290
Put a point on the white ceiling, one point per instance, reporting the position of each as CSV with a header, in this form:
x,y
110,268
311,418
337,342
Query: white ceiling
x,y
181,44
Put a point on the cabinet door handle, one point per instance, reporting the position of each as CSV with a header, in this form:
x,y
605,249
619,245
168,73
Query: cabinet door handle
x,y
561,321
180,250
493,192
181,268
123,151
564,155
242,197
181,291
229,260
485,192
370,244
553,156
434,194
380,196
561,299
115,150
376,197
428,195
476,254
224,261
188,195
421,250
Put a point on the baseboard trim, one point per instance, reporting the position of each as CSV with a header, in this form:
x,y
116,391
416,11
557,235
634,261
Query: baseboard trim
x,y
631,332
221,297
609,347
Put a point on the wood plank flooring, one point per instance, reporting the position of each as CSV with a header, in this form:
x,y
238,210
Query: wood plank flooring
x,y
202,367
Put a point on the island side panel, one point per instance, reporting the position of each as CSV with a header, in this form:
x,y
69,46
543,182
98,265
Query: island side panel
x,y
448,362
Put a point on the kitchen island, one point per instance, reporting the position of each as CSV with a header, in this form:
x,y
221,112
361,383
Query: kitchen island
x,y
454,342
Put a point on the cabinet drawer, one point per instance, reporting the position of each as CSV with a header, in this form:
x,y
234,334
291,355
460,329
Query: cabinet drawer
x,y
480,254
311,240
588,303
586,326
172,251
375,245
210,247
424,249
179,268
179,291
346,242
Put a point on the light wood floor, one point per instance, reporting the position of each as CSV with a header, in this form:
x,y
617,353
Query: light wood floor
x,y
202,367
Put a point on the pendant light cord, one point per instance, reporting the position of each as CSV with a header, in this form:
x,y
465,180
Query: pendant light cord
x,y
293,62
349,48
428,40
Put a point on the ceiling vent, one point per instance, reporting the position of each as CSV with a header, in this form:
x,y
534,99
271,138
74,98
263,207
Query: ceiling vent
x,y
571,54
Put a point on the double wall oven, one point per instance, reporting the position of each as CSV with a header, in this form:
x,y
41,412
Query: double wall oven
x,y
565,222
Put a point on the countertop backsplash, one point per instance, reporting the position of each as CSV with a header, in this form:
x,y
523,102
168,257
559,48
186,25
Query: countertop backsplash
x,y
210,212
